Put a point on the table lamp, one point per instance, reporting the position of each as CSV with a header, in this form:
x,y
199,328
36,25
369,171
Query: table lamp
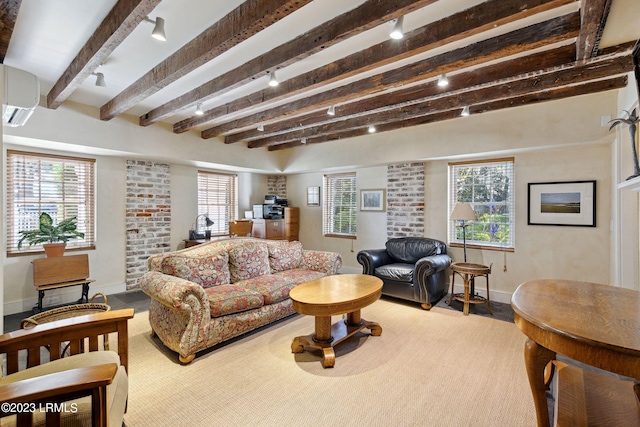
x,y
463,212
195,234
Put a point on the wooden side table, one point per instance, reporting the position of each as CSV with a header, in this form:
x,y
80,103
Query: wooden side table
x,y
469,271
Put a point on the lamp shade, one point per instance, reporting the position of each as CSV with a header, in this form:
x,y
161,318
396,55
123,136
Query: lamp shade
x,y
463,212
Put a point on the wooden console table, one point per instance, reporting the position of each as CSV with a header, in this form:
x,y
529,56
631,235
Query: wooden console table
x,y
594,324
61,272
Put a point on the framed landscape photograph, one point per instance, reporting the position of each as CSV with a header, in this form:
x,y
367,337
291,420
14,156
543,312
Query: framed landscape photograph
x,y
562,203
373,200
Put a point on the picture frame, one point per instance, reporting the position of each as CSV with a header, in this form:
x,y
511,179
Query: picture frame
x,y
373,200
571,203
313,196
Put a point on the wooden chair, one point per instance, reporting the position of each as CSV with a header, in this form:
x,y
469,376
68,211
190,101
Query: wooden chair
x,y
35,383
240,228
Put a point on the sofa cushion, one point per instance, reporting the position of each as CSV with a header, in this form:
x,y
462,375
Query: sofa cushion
x,y
231,298
272,288
411,249
300,275
248,259
207,271
284,255
400,272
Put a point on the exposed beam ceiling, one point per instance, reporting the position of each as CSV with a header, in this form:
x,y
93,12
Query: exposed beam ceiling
x,y
329,53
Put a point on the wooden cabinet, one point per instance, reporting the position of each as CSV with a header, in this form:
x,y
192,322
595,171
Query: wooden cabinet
x,y
278,229
291,223
271,229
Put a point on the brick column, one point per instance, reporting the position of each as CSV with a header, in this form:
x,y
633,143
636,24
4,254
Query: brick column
x,y
405,200
277,186
148,215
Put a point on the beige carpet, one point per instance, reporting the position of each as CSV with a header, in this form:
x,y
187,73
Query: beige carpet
x,y
435,368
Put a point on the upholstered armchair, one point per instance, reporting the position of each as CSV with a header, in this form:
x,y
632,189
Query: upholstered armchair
x,y
39,374
411,268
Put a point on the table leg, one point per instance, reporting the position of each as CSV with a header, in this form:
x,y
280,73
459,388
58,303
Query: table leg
x,y
453,279
467,295
536,359
323,329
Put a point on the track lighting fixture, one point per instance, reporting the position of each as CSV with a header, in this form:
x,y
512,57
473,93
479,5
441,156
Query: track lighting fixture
x,y
158,30
397,33
199,109
260,128
443,81
465,111
303,140
372,129
99,79
273,81
331,111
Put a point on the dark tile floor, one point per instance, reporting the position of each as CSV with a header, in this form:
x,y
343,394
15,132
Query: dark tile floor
x,y
137,300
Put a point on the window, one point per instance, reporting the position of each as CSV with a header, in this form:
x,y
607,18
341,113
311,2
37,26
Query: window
x,y
488,186
218,199
63,187
340,205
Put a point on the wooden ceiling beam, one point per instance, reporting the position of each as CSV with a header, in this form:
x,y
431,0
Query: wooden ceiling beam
x,y
536,63
121,20
594,15
553,80
550,61
8,14
535,36
243,22
528,99
467,23
364,17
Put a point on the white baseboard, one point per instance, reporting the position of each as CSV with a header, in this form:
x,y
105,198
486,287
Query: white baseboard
x,y
481,288
62,296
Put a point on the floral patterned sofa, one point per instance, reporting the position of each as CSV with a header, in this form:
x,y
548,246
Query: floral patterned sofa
x,y
210,293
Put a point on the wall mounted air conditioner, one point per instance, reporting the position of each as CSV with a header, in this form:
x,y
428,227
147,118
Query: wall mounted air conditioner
x,y
21,95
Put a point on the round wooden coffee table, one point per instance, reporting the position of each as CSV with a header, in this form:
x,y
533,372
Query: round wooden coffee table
x,y
332,296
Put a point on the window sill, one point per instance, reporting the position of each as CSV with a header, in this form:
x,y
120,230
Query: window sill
x,y
482,247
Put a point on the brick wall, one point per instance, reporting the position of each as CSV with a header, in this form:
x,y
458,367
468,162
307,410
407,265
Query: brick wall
x,y
405,200
148,210
277,185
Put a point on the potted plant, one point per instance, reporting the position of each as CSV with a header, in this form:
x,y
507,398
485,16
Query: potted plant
x,y
53,237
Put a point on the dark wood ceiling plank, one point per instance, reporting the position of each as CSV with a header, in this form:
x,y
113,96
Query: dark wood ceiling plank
x,y
536,63
594,15
553,80
365,17
8,15
243,22
532,98
535,36
121,20
469,22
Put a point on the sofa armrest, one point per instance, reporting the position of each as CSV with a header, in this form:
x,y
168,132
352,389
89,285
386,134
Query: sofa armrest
x,y
371,259
326,262
431,264
174,292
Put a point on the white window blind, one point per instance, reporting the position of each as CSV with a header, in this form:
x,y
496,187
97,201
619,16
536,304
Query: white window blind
x,y
340,205
489,187
218,199
61,186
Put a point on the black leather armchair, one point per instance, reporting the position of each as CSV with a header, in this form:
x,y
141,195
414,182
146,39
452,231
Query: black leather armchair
x,y
411,268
